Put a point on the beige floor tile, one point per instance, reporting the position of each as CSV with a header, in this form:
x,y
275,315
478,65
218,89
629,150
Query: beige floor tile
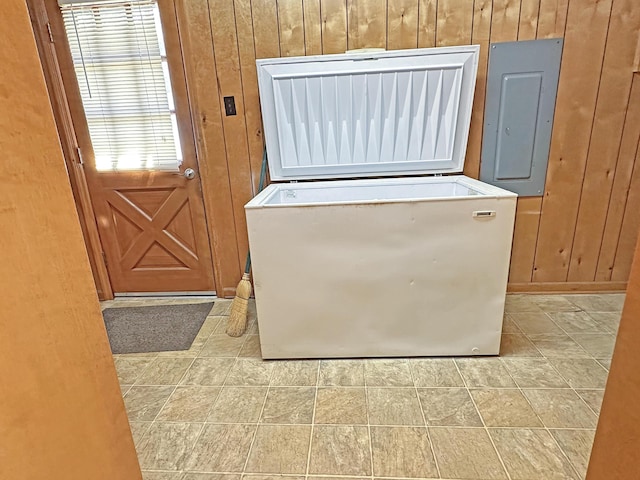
x,y
220,307
331,478
144,403
553,303
517,345
166,445
558,346
164,371
577,322
402,452
251,347
484,372
341,405
509,326
435,372
345,373
609,321
394,406
394,372
505,408
531,454
535,322
138,431
280,449
258,476
208,371
561,408
593,398
576,444
520,303
598,345
448,407
465,453
250,372
605,362
222,345
295,373
252,314
581,372
289,405
209,476
534,373
221,327
252,328
146,475
221,448
617,300
596,303
124,389
340,450
130,368
238,405
189,404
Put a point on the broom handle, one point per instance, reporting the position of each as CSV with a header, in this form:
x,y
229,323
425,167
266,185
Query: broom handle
x,y
263,176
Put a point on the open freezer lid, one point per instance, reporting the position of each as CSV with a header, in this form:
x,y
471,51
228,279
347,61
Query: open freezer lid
x,y
368,114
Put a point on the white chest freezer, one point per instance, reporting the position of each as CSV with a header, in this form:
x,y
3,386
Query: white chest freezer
x,y
376,267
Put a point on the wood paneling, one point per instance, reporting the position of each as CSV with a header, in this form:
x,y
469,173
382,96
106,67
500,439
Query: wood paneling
x,y
206,114
621,184
427,23
617,440
291,27
454,20
529,11
575,107
366,24
481,36
591,164
630,226
402,24
334,26
61,410
606,134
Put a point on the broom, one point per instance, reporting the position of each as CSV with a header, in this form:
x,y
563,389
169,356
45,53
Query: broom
x,y
240,304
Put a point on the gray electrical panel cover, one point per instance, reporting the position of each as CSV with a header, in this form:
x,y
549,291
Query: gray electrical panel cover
x,y
521,95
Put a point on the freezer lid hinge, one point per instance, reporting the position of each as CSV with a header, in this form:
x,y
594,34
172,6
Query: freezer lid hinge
x,y
293,181
438,175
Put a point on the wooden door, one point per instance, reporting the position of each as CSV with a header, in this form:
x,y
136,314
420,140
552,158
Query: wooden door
x,y
151,220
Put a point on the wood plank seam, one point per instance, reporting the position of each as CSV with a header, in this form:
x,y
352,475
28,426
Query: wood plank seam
x,y
224,136
636,168
546,198
244,117
593,122
626,112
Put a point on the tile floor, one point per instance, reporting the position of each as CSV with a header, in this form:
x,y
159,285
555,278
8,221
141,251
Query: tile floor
x,y
218,412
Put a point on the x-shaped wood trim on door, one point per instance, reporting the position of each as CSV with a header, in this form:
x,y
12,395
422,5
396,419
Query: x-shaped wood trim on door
x,y
153,229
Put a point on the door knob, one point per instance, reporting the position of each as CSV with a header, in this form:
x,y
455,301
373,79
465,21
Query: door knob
x,y
189,173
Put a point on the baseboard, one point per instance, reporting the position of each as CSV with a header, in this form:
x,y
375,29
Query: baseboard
x,y
565,287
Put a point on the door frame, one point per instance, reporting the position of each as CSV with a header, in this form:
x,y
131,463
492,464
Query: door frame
x,y
66,101
51,67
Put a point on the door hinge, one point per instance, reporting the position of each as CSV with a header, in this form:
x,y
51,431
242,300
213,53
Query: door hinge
x,y
104,257
50,32
80,158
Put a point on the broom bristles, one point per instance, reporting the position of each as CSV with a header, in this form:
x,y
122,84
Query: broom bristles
x,y
239,306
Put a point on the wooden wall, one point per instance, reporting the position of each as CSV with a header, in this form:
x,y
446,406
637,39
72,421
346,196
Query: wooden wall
x,y
61,411
615,449
579,236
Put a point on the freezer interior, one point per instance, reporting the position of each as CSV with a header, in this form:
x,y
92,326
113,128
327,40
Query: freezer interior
x,y
374,191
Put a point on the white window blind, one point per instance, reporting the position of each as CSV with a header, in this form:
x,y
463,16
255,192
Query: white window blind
x,y
120,61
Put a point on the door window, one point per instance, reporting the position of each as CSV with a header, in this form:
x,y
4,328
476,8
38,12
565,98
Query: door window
x,y
120,62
